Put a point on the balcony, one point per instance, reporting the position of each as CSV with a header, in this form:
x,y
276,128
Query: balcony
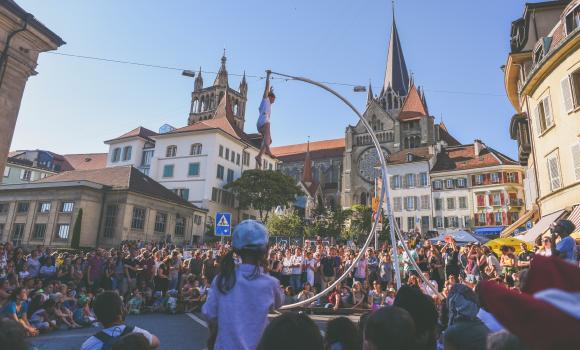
x,y
517,202
524,151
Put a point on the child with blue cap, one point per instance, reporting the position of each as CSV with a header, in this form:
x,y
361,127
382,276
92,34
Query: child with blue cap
x,y
240,297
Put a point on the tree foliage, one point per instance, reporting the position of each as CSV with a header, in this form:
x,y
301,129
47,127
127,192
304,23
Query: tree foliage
x,y
264,190
361,221
289,224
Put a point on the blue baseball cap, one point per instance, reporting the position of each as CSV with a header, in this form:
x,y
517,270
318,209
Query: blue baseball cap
x,y
250,234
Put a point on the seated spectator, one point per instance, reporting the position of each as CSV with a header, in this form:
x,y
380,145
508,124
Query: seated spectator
x,y
376,296
108,307
389,328
17,308
41,318
289,295
135,303
424,313
291,331
359,297
84,315
342,334
305,293
64,315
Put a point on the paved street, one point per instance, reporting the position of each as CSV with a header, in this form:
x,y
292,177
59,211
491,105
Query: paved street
x,y
176,332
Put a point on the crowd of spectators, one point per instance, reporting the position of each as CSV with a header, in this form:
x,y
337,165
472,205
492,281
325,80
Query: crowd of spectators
x,y
44,289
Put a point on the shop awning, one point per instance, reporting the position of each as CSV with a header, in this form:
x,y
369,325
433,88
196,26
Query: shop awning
x,y
541,226
460,237
575,217
519,222
489,230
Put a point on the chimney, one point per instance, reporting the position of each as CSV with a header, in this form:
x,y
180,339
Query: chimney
x,y
478,146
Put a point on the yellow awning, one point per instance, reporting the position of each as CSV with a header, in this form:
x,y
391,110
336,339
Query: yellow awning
x,y
519,222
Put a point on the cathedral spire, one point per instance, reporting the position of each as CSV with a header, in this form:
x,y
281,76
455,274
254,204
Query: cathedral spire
x,y
198,81
396,74
307,175
370,96
221,78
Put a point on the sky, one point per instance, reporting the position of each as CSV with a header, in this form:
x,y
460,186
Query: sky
x,y
454,49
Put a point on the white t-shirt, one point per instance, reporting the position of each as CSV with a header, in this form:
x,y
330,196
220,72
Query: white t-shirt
x,y
264,109
295,261
95,344
310,272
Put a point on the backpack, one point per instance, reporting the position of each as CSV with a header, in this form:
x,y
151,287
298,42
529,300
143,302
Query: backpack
x,y
108,340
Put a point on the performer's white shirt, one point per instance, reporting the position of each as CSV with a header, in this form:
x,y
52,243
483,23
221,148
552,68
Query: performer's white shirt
x,y
264,109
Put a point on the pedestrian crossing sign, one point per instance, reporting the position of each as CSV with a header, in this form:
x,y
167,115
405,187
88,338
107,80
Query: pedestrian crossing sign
x,y
223,224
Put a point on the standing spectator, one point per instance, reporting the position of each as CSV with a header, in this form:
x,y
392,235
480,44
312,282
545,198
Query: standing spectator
x,y
296,276
162,280
329,267
546,248
33,264
95,271
196,264
372,266
48,268
310,267
209,266
132,269
507,261
436,266
525,257
451,257
385,270
286,268
240,298
360,273
174,269
566,248
109,308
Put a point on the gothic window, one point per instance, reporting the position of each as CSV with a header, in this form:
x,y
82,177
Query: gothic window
x,y
194,106
390,100
236,109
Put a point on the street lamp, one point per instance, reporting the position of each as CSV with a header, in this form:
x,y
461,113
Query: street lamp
x,y
188,73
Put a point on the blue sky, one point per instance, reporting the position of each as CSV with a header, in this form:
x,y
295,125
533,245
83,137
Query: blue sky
x,y
454,48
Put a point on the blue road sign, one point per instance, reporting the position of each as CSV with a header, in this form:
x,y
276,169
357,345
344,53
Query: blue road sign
x,y
223,224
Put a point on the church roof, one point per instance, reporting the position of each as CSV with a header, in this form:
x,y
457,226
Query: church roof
x,y
86,161
413,106
419,154
137,132
463,157
446,136
396,73
318,150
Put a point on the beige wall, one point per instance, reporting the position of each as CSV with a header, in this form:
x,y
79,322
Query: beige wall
x,y
558,139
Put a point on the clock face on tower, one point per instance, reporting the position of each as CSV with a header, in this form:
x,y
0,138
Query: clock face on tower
x,y
367,161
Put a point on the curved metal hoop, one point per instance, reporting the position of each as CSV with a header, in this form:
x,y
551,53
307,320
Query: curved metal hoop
x,y
384,195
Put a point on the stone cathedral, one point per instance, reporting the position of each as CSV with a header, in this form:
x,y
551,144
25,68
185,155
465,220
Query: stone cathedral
x,y
398,114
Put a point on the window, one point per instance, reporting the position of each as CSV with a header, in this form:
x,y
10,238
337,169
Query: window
x,y
411,203
554,171
171,151
451,203
543,118
230,177
438,220
480,200
481,219
127,153
6,172
437,185
25,174
466,221
496,199
461,183
423,180
168,170
498,218
193,169
449,183
495,178
160,222
397,204
462,202
195,149
147,156
576,160
110,220
233,157
17,233
238,159
4,207
38,232
179,225
410,223
138,220
245,158
438,203
220,172
22,207
67,207
453,221
478,179
395,182
116,156
221,151
44,207
62,231
573,20
511,177
409,180
197,219
182,192
425,201
227,153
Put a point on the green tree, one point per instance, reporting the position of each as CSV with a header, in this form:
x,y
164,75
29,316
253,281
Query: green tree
x,y
361,221
264,190
76,236
285,225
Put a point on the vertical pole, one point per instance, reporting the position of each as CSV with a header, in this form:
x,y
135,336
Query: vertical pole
x,y
376,213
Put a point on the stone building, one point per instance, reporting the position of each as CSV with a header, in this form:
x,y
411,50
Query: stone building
x,y
22,39
542,80
117,204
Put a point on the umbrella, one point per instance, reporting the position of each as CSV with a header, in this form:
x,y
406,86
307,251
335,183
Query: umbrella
x,y
497,243
460,237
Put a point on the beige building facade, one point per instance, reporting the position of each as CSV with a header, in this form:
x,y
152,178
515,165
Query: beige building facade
x,y
22,39
542,79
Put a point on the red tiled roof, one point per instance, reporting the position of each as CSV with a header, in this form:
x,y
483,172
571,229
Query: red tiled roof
x,y
463,157
137,132
120,178
446,136
413,106
419,154
210,124
318,149
86,161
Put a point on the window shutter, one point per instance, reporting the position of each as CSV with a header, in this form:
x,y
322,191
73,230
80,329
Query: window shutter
x,y
392,182
576,159
504,217
548,112
416,200
554,172
516,177
405,184
446,222
537,119
491,199
417,177
567,94
501,198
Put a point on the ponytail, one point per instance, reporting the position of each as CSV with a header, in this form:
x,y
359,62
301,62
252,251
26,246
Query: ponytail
x,y
226,279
